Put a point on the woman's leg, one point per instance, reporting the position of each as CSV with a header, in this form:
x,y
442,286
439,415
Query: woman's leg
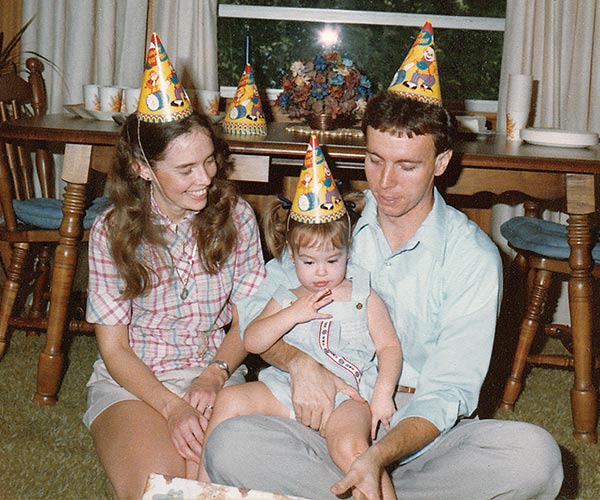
x,y
347,434
132,440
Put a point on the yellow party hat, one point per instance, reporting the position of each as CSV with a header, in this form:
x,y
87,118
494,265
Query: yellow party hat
x,y
417,77
245,115
317,199
162,98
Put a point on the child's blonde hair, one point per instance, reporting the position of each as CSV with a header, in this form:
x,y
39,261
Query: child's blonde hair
x,y
281,231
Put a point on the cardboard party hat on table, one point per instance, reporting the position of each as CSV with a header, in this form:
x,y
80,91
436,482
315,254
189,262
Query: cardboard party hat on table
x,y
317,199
245,115
417,77
162,98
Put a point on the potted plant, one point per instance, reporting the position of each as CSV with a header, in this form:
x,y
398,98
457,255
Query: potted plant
x,y
327,90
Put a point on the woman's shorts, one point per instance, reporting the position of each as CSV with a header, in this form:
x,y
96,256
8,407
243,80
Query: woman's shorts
x,y
103,391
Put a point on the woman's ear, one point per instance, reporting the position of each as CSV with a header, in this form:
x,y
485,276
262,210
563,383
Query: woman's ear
x,y
141,169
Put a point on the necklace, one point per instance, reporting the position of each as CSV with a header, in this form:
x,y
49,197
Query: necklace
x,y
185,281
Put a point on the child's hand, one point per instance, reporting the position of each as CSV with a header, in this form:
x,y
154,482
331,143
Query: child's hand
x,y
382,409
307,307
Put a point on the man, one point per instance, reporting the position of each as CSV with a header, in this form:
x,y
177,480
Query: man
x,y
440,277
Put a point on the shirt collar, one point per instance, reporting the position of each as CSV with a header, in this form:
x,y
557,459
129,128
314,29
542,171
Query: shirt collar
x,y
163,218
431,235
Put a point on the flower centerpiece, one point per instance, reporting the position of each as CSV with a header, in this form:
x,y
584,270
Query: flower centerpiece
x,y
326,85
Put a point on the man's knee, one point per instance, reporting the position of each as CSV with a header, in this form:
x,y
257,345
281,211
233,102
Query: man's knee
x,y
540,461
224,446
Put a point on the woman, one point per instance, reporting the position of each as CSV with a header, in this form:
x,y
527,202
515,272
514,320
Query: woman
x,y
168,261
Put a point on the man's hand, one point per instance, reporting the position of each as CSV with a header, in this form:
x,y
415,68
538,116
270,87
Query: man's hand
x,y
363,478
313,392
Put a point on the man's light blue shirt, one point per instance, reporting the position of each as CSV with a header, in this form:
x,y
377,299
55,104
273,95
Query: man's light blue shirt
x,y
443,291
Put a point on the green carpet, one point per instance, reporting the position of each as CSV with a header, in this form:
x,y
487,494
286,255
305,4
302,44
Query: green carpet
x,y
47,453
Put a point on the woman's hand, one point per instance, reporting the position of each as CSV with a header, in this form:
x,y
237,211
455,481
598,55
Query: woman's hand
x,y
187,420
203,391
186,426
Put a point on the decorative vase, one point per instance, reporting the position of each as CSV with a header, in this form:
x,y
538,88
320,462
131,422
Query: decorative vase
x,y
322,121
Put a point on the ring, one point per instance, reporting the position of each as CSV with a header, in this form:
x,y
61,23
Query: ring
x,y
208,407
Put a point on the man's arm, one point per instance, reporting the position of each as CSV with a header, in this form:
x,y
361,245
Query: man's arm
x,y
408,436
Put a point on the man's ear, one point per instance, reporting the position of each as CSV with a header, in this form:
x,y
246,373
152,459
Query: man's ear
x,y
441,162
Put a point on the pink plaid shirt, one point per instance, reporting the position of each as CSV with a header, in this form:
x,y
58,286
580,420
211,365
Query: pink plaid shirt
x,y
166,332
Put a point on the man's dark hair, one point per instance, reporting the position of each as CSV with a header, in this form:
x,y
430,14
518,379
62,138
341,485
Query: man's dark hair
x,y
398,115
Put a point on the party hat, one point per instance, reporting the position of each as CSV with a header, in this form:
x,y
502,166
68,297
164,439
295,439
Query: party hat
x,y
245,114
417,77
317,199
162,98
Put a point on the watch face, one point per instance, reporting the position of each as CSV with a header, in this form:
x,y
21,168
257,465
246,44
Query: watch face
x,y
222,365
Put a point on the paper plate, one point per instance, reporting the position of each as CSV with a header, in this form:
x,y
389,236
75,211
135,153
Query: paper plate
x,y
79,110
559,138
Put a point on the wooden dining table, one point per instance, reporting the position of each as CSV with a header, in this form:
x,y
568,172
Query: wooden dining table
x,y
480,164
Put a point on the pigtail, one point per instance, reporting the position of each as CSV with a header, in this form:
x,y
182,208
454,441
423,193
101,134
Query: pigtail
x,y
274,223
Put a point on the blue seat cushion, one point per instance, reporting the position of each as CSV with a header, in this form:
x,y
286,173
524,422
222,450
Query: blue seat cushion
x,y
46,213
540,236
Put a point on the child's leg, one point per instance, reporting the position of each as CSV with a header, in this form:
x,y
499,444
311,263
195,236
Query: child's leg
x,y
347,432
348,436
252,398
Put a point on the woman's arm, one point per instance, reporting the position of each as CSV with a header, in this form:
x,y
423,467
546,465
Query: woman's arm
x,y
128,370
203,391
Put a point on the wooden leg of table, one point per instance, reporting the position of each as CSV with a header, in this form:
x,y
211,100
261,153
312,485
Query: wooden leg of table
x,y
583,394
50,364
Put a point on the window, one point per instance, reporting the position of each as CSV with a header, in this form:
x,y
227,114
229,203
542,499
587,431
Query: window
x,y
375,34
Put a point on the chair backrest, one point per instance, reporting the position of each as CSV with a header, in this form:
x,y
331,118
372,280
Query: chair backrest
x,y
20,98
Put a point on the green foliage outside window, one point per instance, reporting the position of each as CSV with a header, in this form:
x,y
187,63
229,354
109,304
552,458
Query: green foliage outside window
x,y
469,60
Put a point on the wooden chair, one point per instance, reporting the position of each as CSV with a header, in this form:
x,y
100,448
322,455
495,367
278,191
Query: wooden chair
x,y
30,222
543,249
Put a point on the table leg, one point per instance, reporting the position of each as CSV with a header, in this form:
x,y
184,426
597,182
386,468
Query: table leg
x,y
76,165
583,393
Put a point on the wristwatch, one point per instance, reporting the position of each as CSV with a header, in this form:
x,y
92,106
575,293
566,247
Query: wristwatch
x,y
222,365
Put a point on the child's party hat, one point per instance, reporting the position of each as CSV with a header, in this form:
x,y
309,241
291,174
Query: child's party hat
x,y
245,115
162,98
317,199
417,77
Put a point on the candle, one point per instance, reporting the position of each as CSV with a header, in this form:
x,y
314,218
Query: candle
x,y
247,51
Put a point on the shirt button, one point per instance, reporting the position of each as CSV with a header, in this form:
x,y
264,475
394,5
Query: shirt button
x,y
388,264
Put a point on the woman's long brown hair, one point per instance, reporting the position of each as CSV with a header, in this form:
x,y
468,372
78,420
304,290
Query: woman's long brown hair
x,y
131,223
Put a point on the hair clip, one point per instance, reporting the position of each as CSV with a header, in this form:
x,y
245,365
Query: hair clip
x,y
285,203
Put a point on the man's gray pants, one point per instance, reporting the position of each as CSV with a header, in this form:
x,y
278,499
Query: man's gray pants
x,y
477,459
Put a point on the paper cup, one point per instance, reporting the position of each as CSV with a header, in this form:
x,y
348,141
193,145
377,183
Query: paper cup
x,y
91,97
131,98
515,122
519,93
209,101
110,98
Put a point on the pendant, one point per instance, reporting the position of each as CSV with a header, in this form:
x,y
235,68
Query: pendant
x,y
184,294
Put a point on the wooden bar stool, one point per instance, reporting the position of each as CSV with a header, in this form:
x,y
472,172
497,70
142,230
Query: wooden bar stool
x,y
545,248
30,221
